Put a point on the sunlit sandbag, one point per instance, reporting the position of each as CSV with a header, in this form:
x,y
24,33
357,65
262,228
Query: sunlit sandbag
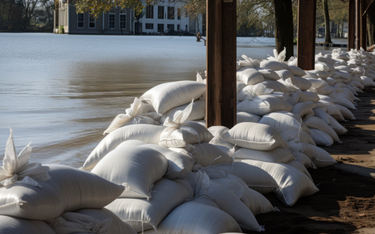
x,y
12,225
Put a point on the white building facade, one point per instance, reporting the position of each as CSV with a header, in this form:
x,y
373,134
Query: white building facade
x,y
165,17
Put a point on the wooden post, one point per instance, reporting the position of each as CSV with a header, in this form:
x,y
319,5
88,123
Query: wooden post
x,y
306,34
221,104
363,39
351,25
358,25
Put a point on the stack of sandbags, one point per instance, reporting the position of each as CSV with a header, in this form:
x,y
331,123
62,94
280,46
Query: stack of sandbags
x,y
31,191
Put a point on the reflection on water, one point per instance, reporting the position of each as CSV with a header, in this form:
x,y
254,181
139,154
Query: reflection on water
x,y
62,91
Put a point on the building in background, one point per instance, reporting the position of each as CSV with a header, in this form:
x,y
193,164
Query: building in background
x,y
167,17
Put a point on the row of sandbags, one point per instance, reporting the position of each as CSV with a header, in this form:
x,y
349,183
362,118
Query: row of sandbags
x,y
173,175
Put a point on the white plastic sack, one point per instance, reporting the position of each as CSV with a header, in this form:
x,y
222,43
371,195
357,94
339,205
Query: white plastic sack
x,y
321,138
254,136
193,217
249,76
297,71
69,189
300,167
247,117
303,109
297,97
274,65
310,96
268,73
142,214
198,112
144,132
317,123
136,168
253,176
169,95
240,86
336,126
264,104
251,91
293,184
303,159
282,121
278,155
275,85
302,83
319,156
346,112
12,225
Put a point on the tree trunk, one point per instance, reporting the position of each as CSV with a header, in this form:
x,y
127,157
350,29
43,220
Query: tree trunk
x,y
342,28
284,26
326,22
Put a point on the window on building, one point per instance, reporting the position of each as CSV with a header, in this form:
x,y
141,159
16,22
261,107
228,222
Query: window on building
x,y
178,27
160,28
160,12
92,22
170,27
112,18
149,26
178,13
150,12
80,19
170,12
123,18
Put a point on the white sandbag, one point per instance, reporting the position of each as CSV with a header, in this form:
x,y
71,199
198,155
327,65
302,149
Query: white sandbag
x,y
301,168
303,109
319,156
321,113
136,108
331,81
322,74
324,90
12,225
297,136
367,81
282,96
285,74
169,95
249,76
278,155
142,214
193,217
69,189
264,104
310,96
254,200
346,112
335,112
89,221
322,66
251,91
147,133
217,130
302,83
342,100
275,85
232,205
248,62
198,112
274,65
293,184
318,123
282,121
321,138
297,71
316,83
288,83
268,73
297,97
179,133
336,126
205,154
137,168
310,74
247,117
240,86
303,159
254,177
254,136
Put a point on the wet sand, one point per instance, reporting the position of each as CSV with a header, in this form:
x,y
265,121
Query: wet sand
x,y
346,200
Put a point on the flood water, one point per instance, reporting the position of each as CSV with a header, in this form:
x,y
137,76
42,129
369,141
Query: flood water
x,y
60,92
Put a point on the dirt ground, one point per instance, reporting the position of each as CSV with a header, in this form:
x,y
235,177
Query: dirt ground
x,y
346,200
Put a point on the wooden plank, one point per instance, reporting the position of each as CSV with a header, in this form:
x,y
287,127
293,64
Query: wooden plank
x,y
363,25
306,34
368,7
221,63
358,25
351,25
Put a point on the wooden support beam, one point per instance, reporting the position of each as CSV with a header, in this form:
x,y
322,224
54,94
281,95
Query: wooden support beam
x,y
363,37
351,25
306,34
221,104
358,24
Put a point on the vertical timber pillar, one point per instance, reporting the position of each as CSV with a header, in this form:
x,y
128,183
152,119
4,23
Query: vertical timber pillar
x,y
363,42
358,24
221,104
306,34
351,25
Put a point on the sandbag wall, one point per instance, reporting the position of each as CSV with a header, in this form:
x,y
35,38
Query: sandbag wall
x,y
160,170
